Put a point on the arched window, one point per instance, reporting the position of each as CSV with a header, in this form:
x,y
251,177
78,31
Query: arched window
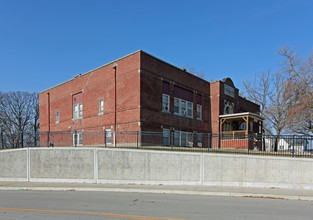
x,y
228,107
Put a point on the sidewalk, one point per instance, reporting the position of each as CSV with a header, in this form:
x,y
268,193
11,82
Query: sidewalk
x,y
271,193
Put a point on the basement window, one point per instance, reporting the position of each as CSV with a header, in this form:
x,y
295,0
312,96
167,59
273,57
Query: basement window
x,y
166,137
78,139
183,139
108,136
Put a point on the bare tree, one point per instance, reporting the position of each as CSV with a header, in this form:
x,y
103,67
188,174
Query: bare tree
x,y
298,68
1,125
286,98
16,111
34,122
277,110
269,91
193,71
300,73
258,90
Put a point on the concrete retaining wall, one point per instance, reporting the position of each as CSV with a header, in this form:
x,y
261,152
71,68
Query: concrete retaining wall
x,y
13,165
257,171
119,166
153,167
62,164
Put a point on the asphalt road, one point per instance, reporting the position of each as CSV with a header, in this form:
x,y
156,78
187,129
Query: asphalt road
x,y
109,205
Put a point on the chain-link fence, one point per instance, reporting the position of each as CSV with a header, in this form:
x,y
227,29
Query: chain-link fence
x,y
16,139
231,143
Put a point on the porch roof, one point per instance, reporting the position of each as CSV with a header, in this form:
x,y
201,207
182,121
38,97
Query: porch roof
x,y
243,114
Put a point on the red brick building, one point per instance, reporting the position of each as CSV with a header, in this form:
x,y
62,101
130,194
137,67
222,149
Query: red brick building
x,y
139,92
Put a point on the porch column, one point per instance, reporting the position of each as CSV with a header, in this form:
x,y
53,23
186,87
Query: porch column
x,y
221,125
247,127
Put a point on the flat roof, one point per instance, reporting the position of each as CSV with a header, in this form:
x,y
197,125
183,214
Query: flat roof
x,y
92,70
185,71
243,114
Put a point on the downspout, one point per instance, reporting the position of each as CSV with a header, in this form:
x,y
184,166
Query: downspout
x,y
114,67
48,133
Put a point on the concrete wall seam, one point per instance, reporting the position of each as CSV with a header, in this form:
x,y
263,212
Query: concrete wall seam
x,y
95,166
28,164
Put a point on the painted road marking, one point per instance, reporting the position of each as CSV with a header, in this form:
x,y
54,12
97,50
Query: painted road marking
x,y
86,213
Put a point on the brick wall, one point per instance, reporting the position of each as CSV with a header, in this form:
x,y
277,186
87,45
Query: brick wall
x,y
154,71
247,106
94,85
138,99
215,105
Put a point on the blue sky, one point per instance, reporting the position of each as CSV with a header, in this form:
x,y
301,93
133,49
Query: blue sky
x,y
46,42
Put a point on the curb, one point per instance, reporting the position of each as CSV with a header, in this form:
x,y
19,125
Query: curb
x,y
179,192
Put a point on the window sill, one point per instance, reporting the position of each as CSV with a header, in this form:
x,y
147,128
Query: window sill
x,y
166,112
100,113
74,119
183,116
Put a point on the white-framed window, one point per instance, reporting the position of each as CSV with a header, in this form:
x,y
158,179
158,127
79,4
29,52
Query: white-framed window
x,y
199,140
228,90
182,138
165,103
75,111
78,139
57,117
100,106
177,138
199,112
166,137
190,139
108,136
190,109
183,107
78,111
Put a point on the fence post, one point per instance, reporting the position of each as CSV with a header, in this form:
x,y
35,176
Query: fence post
x,y
293,146
48,138
208,142
137,138
172,140
248,144
219,140
105,138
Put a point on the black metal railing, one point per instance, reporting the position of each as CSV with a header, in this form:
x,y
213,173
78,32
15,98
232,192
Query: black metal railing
x,y
229,143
